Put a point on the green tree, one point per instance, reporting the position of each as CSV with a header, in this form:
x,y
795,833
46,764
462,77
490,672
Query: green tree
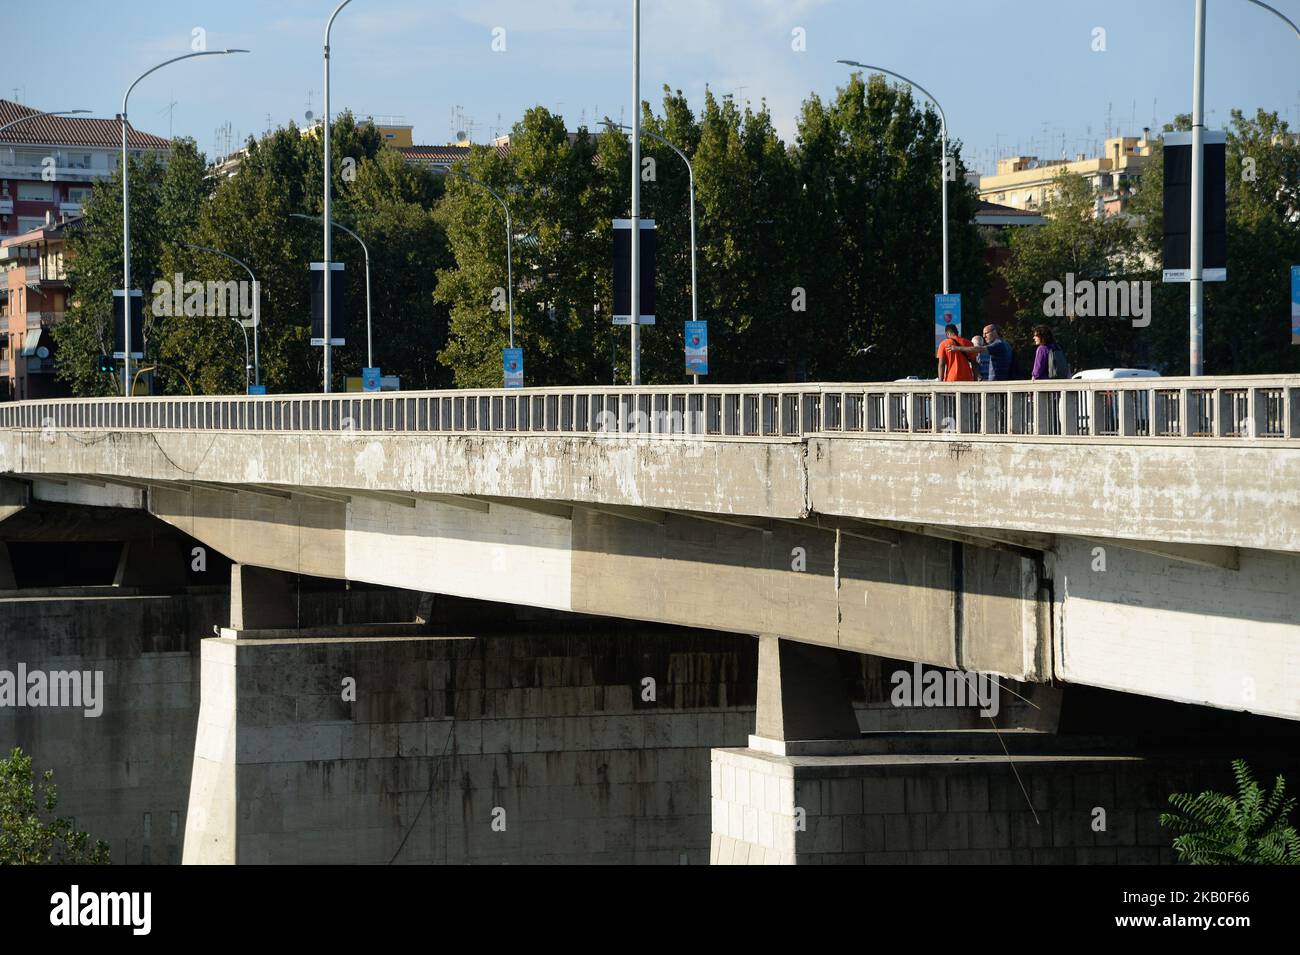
x,y
1250,829
250,216
869,166
1075,241
30,833
552,185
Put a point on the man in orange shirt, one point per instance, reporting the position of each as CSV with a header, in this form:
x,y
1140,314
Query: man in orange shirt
x,y
953,365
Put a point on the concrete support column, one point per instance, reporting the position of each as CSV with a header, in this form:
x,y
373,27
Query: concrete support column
x,y
801,694
262,599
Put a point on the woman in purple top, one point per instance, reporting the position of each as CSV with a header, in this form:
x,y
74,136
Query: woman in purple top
x,y
1044,340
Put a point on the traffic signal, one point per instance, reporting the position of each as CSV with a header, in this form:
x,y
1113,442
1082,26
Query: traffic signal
x,y
107,364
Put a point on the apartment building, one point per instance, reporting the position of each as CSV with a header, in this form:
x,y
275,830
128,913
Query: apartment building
x,y
49,165
48,168
34,294
1025,182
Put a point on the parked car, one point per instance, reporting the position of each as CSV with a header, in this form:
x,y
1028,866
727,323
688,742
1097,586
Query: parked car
x,y
1109,374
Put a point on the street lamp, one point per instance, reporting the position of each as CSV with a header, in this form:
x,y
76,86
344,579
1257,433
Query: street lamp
x,y
943,164
459,170
690,175
370,358
126,211
1289,23
1196,303
24,119
635,272
325,217
257,312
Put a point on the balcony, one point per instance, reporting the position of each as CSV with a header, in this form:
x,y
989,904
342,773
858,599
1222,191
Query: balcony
x,y
38,173
37,274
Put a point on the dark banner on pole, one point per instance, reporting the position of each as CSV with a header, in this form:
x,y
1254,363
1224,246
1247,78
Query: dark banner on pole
x,y
137,324
623,272
1178,208
338,305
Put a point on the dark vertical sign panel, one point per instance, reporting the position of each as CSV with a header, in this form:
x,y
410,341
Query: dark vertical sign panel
x,y
1178,208
623,272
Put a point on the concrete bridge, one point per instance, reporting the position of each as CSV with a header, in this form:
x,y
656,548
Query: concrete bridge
x,y
1135,535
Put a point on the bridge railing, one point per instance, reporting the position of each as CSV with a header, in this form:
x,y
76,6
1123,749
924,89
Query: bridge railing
x,y
1265,409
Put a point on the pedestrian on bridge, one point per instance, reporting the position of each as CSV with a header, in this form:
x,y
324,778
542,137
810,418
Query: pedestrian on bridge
x,y
997,362
1049,357
954,364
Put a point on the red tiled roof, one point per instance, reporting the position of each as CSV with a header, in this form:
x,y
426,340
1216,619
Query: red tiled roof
x,y
438,155
70,130
993,208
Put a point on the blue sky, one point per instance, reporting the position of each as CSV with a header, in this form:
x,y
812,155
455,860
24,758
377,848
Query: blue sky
x,y
1011,74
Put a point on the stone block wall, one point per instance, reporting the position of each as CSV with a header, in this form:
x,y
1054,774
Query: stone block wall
x,y
949,810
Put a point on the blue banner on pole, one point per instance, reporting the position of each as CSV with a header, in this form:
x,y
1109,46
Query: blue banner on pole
x,y
1295,305
257,389
512,363
947,311
697,348
370,379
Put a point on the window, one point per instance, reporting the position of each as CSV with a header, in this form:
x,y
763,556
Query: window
x,y
36,191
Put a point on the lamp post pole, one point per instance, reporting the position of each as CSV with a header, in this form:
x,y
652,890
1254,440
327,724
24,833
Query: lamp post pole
x,y
325,217
25,119
126,211
690,176
257,311
943,140
1196,360
636,194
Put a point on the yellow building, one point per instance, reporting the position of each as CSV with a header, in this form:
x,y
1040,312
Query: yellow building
x,y
1024,182
397,136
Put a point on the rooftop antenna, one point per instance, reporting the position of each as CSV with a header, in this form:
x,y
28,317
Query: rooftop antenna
x,y
169,109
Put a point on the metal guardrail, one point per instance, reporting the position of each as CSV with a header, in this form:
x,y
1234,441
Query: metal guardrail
x,y
1262,409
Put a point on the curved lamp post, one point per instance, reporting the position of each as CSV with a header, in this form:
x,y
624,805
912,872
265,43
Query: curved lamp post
x,y
126,210
325,217
459,170
370,358
690,178
943,134
257,309
24,119
1278,13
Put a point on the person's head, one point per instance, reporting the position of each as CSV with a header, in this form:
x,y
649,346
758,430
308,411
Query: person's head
x,y
992,333
951,331
1043,335
977,341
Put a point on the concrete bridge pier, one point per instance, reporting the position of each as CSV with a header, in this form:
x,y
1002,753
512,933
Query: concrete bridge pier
x,y
801,694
